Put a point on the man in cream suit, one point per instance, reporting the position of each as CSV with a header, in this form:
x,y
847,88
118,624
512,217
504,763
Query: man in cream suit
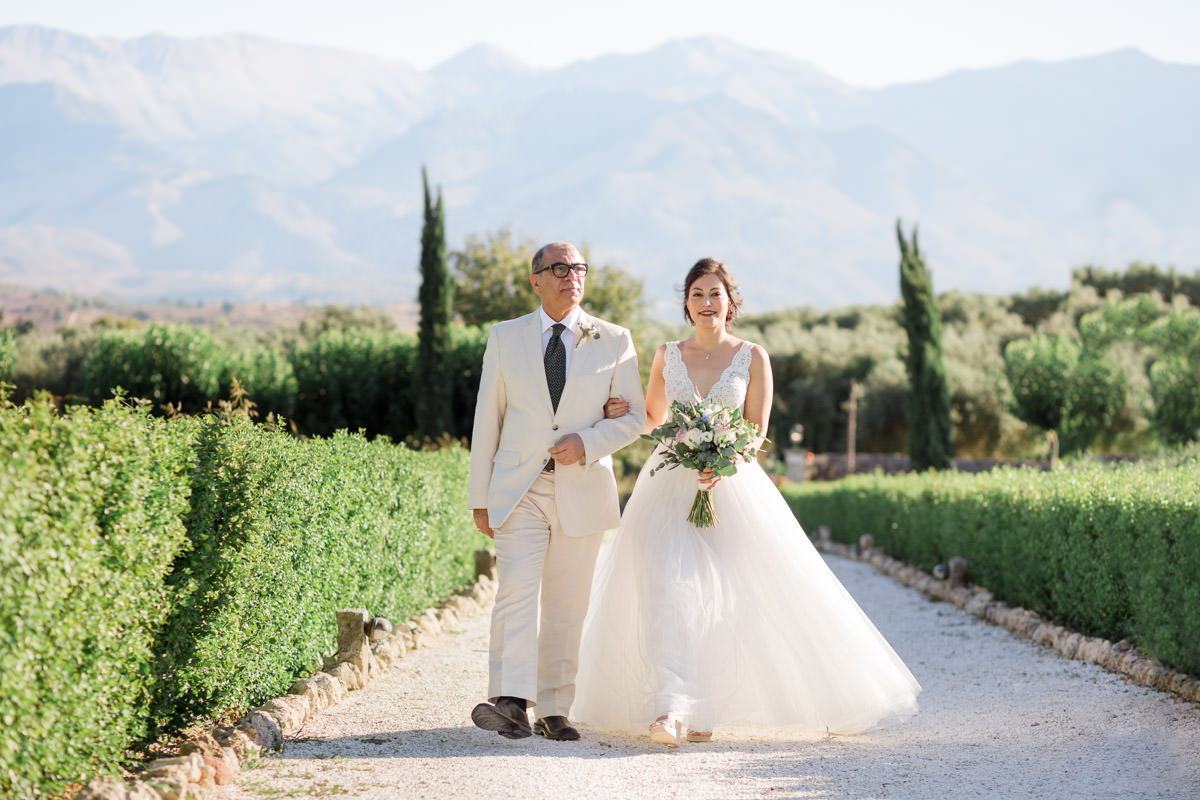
x,y
542,487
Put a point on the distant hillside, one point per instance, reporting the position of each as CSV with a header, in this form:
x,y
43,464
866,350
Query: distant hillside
x,y
242,168
47,310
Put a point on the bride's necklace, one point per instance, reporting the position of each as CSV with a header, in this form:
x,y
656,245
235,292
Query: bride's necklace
x,y
710,352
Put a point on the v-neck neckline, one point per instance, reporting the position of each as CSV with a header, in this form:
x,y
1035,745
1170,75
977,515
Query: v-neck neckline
x,y
720,377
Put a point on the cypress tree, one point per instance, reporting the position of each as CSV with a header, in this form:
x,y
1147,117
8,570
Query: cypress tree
x,y
432,383
927,406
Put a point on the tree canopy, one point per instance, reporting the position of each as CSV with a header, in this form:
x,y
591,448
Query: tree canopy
x,y
492,282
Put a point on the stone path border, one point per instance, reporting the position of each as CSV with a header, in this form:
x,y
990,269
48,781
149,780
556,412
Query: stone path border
x,y
367,649
1119,656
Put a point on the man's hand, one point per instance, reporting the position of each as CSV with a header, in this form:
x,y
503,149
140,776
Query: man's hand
x,y
481,522
568,450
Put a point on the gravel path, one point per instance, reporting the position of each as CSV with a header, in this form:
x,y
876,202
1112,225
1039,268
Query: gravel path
x,y
1000,718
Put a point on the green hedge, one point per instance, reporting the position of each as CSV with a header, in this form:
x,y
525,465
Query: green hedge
x,y
266,376
91,518
364,379
355,379
162,363
1111,551
157,572
284,532
8,353
352,379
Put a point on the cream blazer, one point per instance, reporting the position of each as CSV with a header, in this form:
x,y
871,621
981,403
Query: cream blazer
x,y
515,423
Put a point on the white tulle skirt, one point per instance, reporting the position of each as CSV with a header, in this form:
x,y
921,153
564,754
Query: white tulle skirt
x,y
738,624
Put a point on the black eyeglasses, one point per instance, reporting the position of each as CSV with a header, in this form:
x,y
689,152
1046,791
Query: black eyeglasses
x,y
562,270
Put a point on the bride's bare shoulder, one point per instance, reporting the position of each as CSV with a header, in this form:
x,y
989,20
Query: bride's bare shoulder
x,y
760,359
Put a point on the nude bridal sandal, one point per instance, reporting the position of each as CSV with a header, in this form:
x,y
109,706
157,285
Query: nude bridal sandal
x,y
665,730
699,736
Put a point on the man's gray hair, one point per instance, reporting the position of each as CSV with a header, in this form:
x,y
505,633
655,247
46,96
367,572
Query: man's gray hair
x,y
540,255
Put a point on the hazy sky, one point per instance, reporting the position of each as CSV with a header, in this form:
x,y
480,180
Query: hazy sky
x,y
866,43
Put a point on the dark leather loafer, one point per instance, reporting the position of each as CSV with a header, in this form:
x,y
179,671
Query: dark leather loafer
x,y
507,718
556,727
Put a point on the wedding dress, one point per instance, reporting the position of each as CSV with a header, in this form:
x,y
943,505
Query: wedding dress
x,y
740,623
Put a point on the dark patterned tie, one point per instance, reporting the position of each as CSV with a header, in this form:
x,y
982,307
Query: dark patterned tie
x,y
556,364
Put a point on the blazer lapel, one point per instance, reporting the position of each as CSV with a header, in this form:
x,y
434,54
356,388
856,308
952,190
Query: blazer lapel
x,y
533,356
583,349
580,344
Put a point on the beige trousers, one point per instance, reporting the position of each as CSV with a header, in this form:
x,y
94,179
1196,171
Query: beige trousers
x,y
534,557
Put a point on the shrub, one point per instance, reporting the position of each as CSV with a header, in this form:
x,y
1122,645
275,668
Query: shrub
x,y
1109,551
155,572
91,508
1058,388
1175,377
356,379
466,364
267,377
1175,385
50,363
166,364
285,532
8,353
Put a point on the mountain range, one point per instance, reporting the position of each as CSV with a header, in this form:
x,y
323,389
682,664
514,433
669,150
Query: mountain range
x,y
243,168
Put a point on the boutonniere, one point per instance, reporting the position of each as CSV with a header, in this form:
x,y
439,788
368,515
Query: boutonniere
x,y
585,331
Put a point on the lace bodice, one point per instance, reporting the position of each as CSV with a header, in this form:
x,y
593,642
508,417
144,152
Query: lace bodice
x,y
729,390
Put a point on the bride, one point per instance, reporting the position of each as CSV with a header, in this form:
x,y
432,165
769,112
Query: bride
x,y
742,623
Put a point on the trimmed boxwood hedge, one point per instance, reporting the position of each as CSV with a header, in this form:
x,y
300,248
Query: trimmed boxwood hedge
x,y
1111,551
352,378
91,519
158,572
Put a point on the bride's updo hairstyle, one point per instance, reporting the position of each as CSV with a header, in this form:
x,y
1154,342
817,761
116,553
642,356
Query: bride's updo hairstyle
x,y
712,266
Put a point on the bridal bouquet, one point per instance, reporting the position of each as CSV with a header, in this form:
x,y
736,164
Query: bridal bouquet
x,y
704,436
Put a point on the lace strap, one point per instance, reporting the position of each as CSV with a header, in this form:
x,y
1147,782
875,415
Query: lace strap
x,y
743,357
675,375
673,363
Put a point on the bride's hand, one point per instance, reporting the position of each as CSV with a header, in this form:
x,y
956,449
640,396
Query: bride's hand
x,y
616,407
708,480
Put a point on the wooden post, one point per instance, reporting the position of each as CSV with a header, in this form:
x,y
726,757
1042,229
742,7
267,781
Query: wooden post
x,y
852,426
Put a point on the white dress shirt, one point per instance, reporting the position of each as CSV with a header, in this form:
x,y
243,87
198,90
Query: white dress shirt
x,y
571,320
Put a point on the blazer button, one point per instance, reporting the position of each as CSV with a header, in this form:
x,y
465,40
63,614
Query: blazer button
x,y
553,427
